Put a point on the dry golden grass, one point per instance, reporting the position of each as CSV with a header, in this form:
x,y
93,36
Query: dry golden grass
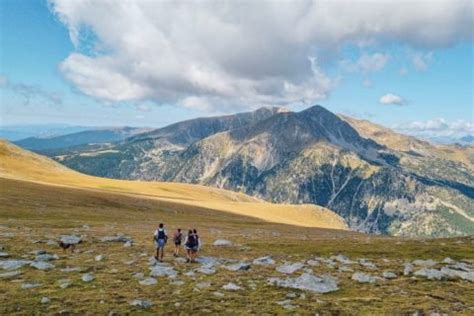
x,y
16,163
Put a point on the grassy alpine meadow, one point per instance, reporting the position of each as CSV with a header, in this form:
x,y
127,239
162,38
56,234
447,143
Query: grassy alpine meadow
x,y
33,217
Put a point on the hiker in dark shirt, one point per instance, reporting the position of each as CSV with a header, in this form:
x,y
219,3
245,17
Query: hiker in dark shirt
x,y
177,239
190,244
160,237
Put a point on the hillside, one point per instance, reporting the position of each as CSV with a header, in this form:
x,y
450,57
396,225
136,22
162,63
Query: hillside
x,y
377,180
16,163
50,144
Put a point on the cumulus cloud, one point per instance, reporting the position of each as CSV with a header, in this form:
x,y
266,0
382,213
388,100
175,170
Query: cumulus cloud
x,y
391,98
220,54
438,127
367,63
30,92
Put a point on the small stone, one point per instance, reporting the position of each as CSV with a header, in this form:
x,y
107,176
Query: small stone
x,y
203,285
240,266
424,263
99,258
448,260
138,275
408,269
46,257
389,275
13,264
71,269
128,244
70,239
64,283
222,243
363,278
290,268
88,277
27,286
264,261
231,287
10,275
208,270
218,294
141,303
45,300
41,265
367,264
148,281
345,269
4,255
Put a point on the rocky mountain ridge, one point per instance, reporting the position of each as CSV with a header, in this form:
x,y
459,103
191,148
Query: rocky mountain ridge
x,y
313,156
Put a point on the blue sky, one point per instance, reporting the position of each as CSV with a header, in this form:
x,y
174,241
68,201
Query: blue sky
x,y
97,65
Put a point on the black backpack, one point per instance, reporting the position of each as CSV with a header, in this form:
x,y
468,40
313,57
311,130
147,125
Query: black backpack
x,y
161,234
191,241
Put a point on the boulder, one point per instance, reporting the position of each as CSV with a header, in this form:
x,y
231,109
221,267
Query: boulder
x,y
42,265
13,264
148,281
46,257
222,243
389,275
408,269
239,266
10,275
88,277
264,261
308,282
206,269
362,277
424,263
448,260
290,268
367,264
141,303
231,287
162,270
70,239
430,274
456,274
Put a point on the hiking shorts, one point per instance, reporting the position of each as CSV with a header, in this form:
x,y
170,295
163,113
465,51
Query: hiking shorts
x,y
160,243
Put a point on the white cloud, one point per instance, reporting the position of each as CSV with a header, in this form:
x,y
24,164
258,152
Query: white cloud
x,y
391,98
421,61
221,54
438,127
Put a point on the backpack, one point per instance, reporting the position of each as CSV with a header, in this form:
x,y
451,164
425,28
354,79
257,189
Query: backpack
x,y
161,234
192,242
177,237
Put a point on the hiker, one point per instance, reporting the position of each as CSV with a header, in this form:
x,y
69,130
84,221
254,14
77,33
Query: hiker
x,y
160,238
198,244
177,238
190,244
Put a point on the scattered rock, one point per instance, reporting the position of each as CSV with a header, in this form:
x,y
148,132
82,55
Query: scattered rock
x,y
162,270
264,261
424,263
206,269
178,283
308,282
430,274
27,286
222,243
141,303
128,244
117,238
240,266
461,266
342,259
70,239
4,255
10,275
218,294
13,264
408,269
71,269
64,283
312,262
367,264
286,304
454,274
345,269
209,261
148,281
231,287
45,300
88,277
42,265
99,258
290,268
363,278
448,260
138,275
389,275
203,285
46,257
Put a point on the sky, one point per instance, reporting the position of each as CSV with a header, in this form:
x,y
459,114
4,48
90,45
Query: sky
x,y
403,64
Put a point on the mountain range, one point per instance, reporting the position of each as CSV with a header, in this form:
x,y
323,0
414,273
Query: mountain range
x,y
379,181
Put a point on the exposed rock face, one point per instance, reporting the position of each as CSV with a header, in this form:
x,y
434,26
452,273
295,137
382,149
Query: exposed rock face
x,y
311,156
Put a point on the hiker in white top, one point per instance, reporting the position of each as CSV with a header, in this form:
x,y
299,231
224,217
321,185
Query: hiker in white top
x,y
160,237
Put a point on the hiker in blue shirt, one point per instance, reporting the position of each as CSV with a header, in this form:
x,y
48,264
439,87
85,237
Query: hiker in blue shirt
x,y
160,238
